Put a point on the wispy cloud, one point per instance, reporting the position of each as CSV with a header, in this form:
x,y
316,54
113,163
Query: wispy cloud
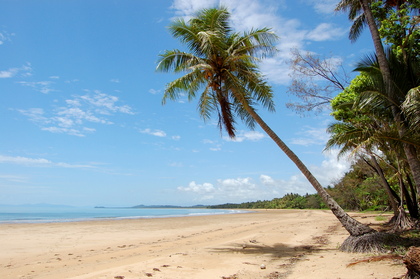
x,y
323,6
93,108
24,70
40,86
311,136
5,37
13,178
154,91
38,162
326,32
157,133
246,136
215,145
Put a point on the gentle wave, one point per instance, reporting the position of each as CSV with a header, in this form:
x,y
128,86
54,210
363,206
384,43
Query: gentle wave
x,y
17,214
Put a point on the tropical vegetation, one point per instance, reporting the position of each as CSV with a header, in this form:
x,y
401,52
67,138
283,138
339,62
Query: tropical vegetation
x,y
377,113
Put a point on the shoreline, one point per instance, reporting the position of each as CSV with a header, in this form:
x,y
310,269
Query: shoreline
x,y
116,214
289,243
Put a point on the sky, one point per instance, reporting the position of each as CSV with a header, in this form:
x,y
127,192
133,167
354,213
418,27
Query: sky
x,y
81,115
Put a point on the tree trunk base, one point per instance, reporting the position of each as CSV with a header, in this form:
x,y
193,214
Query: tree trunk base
x,y
377,242
401,222
412,262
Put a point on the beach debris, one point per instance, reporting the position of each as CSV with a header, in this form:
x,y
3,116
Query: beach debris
x,y
377,259
252,241
166,265
244,246
119,277
234,276
263,266
149,274
156,269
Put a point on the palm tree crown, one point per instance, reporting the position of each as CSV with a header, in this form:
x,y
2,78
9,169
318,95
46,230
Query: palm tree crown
x,y
222,64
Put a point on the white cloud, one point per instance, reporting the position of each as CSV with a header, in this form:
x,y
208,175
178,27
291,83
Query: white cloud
x,y
176,164
105,103
35,114
25,70
157,133
154,91
325,32
294,184
311,136
324,6
331,168
176,137
328,172
13,178
207,141
234,184
215,145
266,187
266,180
73,117
9,73
38,162
5,37
198,188
186,8
68,131
115,80
246,136
40,86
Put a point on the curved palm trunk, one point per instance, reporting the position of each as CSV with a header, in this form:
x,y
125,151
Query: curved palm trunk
x,y
409,150
354,227
391,194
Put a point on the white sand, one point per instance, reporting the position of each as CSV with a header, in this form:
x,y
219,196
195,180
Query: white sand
x,y
290,243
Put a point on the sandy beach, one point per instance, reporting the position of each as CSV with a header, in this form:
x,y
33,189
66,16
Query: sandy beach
x,y
264,244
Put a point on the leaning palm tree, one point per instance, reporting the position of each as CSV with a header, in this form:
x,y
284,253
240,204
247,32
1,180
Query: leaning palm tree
x,y
222,64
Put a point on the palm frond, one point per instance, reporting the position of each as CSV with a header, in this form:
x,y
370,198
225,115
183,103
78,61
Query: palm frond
x,y
411,107
177,61
357,28
188,83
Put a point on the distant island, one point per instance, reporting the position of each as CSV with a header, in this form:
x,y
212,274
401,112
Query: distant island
x,y
156,206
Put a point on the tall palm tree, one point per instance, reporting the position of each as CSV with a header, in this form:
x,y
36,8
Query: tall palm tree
x,y
360,11
222,64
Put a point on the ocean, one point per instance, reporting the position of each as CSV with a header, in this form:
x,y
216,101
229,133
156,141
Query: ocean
x,y
51,214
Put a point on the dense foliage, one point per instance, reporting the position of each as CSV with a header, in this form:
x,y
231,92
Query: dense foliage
x,y
291,201
359,189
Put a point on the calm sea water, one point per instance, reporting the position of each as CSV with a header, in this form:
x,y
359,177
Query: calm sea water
x,y
29,214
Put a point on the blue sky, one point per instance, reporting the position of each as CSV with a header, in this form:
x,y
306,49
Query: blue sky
x,y
81,115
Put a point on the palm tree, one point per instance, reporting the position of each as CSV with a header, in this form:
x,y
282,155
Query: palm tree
x,y
360,12
222,64
366,122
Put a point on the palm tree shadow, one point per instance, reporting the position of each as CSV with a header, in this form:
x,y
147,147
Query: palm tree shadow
x,y
277,250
